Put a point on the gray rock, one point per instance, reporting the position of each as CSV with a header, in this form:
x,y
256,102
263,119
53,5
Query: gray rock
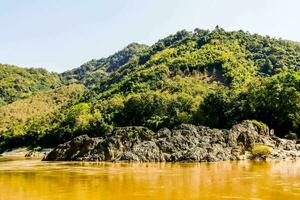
x,y
291,136
37,154
187,143
79,149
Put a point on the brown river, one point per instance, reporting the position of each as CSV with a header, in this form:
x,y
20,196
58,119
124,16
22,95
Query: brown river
x,y
35,180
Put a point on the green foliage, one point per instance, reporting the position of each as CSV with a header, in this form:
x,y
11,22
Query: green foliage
x,y
37,149
274,101
235,59
19,83
37,106
95,71
259,124
156,109
216,109
83,118
260,152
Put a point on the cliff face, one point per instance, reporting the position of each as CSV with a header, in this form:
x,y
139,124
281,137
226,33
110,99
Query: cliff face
x,y
188,143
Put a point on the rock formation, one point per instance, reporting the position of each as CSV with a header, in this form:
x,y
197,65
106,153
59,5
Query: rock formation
x,y
187,143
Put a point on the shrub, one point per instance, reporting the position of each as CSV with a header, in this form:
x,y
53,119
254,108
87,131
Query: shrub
x,y
37,149
258,124
260,152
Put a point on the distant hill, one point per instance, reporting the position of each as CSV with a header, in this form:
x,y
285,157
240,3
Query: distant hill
x,y
19,83
94,71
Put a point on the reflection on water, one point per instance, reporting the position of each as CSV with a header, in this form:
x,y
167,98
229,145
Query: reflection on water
x,y
36,180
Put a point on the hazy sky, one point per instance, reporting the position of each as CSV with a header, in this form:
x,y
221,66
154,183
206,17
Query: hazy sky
x,y
63,34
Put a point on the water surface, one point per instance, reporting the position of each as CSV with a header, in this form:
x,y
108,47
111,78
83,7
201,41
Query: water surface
x,y
35,180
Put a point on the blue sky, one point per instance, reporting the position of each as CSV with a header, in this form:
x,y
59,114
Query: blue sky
x,y
62,34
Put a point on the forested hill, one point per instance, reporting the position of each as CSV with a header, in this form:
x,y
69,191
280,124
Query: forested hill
x,y
212,78
92,72
232,58
18,83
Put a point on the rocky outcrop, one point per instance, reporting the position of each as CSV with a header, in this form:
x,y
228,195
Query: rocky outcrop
x,y
188,143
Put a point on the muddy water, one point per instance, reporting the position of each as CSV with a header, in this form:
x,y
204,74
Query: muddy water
x,y
35,180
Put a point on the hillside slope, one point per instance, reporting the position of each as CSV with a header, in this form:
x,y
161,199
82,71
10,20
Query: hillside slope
x,y
232,58
94,71
37,106
18,83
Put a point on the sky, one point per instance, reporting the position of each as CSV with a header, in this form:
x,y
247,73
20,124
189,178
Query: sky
x,y
63,34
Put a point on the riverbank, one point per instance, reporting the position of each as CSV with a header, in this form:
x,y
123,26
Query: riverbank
x,y
187,143
25,152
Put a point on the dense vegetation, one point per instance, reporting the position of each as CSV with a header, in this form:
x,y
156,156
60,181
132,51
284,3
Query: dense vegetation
x,y
213,78
19,83
92,72
21,116
38,105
